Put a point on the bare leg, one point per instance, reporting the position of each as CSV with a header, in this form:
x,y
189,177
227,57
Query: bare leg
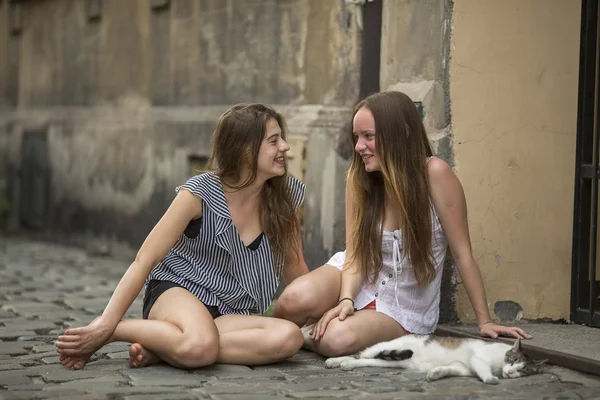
x,y
245,340
310,296
140,357
358,331
180,331
256,340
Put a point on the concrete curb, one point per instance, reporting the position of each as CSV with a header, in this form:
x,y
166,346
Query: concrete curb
x,y
581,364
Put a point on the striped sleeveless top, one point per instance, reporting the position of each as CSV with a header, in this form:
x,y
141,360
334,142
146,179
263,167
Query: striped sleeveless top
x,y
213,263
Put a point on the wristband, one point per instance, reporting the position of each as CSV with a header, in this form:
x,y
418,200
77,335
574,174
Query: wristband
x,y
346,298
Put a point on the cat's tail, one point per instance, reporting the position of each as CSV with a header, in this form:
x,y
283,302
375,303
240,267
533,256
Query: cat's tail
x,y
395,355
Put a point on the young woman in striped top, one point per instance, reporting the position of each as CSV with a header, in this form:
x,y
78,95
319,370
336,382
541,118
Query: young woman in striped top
x,y
404,209
214,259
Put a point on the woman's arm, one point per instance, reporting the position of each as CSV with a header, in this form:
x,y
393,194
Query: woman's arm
x,y
296,269
351,277
451,207
182,210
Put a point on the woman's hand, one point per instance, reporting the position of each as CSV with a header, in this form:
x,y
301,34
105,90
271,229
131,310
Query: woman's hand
x,y
85,341
492,330
342,310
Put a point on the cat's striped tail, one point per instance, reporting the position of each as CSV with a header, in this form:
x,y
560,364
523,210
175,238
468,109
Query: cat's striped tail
x,y
395,355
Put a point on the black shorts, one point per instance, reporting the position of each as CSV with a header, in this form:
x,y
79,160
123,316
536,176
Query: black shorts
x,y
156,288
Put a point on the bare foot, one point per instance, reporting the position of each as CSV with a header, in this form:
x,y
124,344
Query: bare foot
x,y
309,343
73,362
139,357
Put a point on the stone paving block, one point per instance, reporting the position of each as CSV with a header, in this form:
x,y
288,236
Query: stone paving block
x,y
122,355
94,384
11,367
223,371
8,333
240,387
246,397
7,314
566,375
49,296
51,360
88,396
589,393
114,378
61,374
14,380
334,372
27,387
324,394
13,348
20,324
115,347
36,370
106,366
37,356
77,319
168,380
294,365
42,339
179,396
25,395
164,375
33,309
165,391
44,348
94,306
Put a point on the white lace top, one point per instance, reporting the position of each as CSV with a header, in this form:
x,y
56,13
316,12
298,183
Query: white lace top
x,y
396,289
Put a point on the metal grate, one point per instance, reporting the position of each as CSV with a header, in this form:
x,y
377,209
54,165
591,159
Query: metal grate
x,y
585,288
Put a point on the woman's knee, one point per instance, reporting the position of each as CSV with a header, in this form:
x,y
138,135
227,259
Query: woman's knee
x,y
309,293
285,339
298,297
339,340
195,352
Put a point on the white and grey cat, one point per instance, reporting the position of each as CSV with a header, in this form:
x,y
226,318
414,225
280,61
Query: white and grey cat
x,y
445,356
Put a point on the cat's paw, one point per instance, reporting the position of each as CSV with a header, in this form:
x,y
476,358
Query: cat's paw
x,y
491,380
435,374
394,355
335,362
348,365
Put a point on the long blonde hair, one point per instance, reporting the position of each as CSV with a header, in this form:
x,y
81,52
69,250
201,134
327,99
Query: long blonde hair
x,y
236,144
402,148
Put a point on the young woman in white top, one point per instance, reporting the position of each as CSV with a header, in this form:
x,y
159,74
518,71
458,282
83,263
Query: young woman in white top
x,y
404,208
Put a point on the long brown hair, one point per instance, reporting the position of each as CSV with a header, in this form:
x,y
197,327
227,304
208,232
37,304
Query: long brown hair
x,y
402,148
236,144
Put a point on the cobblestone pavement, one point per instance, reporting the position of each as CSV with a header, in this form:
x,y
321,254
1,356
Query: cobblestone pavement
x,y
46,288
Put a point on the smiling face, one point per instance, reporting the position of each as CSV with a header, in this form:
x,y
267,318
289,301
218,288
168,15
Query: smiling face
x,y
363,127
272,153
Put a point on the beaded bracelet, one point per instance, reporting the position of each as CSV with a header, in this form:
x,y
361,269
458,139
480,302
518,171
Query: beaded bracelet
x,y
346,298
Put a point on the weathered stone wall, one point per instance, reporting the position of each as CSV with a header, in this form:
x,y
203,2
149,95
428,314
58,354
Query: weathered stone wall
x,y
110,108
415,48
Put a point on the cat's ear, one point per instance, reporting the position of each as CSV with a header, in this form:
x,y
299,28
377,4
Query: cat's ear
x,y
538,365
517,345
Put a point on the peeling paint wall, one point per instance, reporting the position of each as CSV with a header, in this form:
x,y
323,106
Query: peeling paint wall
x,y
415,46
513,84
121,102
